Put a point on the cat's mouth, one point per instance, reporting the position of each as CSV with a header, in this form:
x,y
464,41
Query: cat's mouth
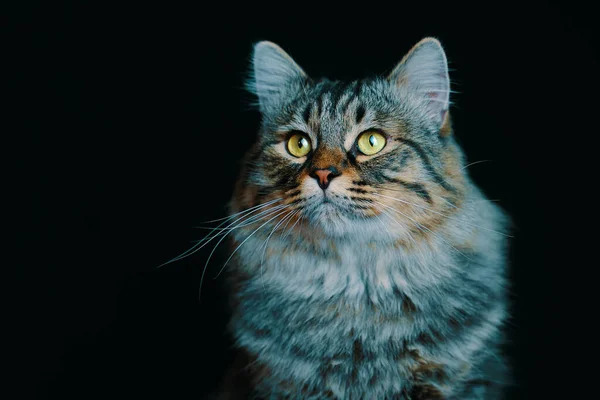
x,y
329,201
330,207
332,210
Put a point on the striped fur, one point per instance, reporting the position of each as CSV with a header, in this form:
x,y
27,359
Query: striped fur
x,y
390,283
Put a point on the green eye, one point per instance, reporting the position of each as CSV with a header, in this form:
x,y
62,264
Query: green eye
x,y
298,145
370,142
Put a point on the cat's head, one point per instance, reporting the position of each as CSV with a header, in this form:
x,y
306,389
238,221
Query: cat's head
x,y
373,156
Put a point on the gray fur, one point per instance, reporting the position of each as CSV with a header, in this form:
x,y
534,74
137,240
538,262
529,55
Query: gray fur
x,y
334,308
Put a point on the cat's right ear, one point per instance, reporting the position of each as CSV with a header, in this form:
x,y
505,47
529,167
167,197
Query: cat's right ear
x,y
425,70
274,73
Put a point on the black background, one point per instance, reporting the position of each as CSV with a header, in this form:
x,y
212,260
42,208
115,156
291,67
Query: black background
x,y
132,119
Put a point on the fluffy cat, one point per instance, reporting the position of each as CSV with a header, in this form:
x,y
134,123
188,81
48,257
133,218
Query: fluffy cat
x,y
365,264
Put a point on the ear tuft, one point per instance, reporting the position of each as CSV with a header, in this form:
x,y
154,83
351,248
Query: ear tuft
x,y
273,71
424,69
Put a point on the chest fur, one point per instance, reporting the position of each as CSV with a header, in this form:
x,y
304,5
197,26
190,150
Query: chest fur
x,y
363,319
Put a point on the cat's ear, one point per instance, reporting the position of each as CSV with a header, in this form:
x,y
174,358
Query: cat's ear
x,y
424,69
273,73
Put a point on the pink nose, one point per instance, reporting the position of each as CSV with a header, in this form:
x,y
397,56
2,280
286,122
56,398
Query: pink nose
x,y
324,176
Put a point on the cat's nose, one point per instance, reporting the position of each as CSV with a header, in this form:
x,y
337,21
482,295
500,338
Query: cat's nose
x,y
324,176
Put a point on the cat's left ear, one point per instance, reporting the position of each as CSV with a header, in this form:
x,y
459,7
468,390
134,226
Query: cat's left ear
x,y
274,74
424,69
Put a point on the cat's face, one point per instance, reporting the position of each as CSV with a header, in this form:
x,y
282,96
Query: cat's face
x,y
372,157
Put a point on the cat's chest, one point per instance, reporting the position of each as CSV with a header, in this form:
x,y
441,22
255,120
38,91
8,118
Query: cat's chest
x,y
342,290
342,312
335,327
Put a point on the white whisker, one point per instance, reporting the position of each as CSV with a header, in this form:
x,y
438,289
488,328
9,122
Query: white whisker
x,y
208,237
421,227
243,211
453,205
244,241
439,213
292,227
410,236
384,226
249,221
240,222
287,223
221,240
262,258
473,163
267,214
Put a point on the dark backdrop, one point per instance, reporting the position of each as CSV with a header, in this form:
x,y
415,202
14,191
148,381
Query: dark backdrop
x,y
132,119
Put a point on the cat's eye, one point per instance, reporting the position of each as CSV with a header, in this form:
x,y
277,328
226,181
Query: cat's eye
x,y
370,142
298,145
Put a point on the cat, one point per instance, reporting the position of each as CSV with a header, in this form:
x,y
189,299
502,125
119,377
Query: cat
x,y
364,262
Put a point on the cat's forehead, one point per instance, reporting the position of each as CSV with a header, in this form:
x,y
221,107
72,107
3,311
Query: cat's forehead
x,y
331,98
330,109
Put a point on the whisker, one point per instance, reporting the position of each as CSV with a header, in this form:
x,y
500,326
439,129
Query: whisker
x,y
288,222
453,205
473,163
439,101
292,227
437,91
262,258
243,211
410,236
249,221
447,201
384,225
219,242
244,241
267,213
442,214
421,227
240,222
209,238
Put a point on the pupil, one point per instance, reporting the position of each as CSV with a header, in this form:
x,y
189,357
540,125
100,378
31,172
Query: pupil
x,y
373,140
301,143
